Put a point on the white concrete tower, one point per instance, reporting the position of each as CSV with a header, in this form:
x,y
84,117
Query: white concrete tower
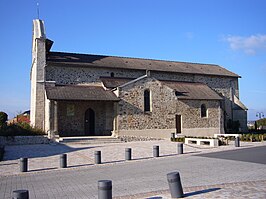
x,y
37,115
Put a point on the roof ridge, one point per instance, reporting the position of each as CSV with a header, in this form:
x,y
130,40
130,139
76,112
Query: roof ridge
x,y
185,82
148,59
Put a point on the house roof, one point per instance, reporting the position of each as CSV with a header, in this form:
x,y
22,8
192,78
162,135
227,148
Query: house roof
x,y
238,105
183,90
192,91
80,92
113,82
101,61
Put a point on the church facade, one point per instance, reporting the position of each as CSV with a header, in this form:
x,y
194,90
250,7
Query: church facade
x,y
93,95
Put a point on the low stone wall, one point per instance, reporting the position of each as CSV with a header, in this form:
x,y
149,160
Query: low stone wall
x,y
148,133
136,138
23,140
198,141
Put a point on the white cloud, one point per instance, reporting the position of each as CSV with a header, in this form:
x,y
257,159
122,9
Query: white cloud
x,y
250,45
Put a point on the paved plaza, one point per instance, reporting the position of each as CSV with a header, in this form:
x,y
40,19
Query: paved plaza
x,y
143,177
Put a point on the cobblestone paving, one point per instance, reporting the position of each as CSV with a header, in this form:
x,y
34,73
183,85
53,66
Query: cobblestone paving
x,y
45,157
240,190
45,180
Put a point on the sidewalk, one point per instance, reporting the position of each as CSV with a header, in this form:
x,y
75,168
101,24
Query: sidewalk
x,y
45,157
143,177
247,190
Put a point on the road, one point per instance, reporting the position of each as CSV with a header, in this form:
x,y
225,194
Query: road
x,y
142,175
253,155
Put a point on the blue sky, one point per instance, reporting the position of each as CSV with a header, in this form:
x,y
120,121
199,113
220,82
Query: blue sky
x,y
230,33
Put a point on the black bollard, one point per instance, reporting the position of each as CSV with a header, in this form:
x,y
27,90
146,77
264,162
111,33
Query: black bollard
x,y
237,142
128,153
104,189
63,161
175,185
173,136
180,148
23,164
155,151
97,155
21,194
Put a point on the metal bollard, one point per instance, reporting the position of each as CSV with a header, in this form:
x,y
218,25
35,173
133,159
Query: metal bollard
x,y
21,194
175,185
180,148
104,189
237,142
155,151
128,153
173,136
97,155
23,164
63,161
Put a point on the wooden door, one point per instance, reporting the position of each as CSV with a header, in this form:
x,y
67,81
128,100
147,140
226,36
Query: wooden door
x,y
178,123
89,122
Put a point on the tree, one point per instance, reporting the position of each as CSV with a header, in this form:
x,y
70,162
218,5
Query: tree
x,y
256,125
3,119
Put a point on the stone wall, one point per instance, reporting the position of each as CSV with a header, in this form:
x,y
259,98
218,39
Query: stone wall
x,y
79,75
225,86
73,124
37,85
164,107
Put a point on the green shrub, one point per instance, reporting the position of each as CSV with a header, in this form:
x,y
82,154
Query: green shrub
x,y
178,139
3,119
261,122
253,137
20,129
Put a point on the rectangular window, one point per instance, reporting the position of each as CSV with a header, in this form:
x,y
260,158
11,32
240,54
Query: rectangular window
x,y
70,110
147,103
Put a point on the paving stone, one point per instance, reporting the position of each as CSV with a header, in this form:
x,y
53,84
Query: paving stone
x,y
45,180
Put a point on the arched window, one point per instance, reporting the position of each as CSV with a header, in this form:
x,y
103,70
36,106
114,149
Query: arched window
x,y
112,74
147,103
203,110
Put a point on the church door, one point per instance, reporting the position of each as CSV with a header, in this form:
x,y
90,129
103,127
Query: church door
x,y
89,122
178,123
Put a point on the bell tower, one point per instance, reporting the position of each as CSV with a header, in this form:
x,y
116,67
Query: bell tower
x,y
37,115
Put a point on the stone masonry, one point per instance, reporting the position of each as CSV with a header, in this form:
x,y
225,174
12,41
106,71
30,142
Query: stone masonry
x,y
128,116
165,107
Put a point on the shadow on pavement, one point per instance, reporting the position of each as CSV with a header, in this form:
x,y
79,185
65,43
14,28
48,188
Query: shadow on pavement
x,y
6,164
115,161
44,169
80,165
144,158
39,150
201,192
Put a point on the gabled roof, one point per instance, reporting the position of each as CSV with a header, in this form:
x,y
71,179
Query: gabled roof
x,y
111,82
101,61
238,105
192,91
183,90
80,92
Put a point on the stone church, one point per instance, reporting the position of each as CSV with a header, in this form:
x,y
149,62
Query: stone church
x,y
94,95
